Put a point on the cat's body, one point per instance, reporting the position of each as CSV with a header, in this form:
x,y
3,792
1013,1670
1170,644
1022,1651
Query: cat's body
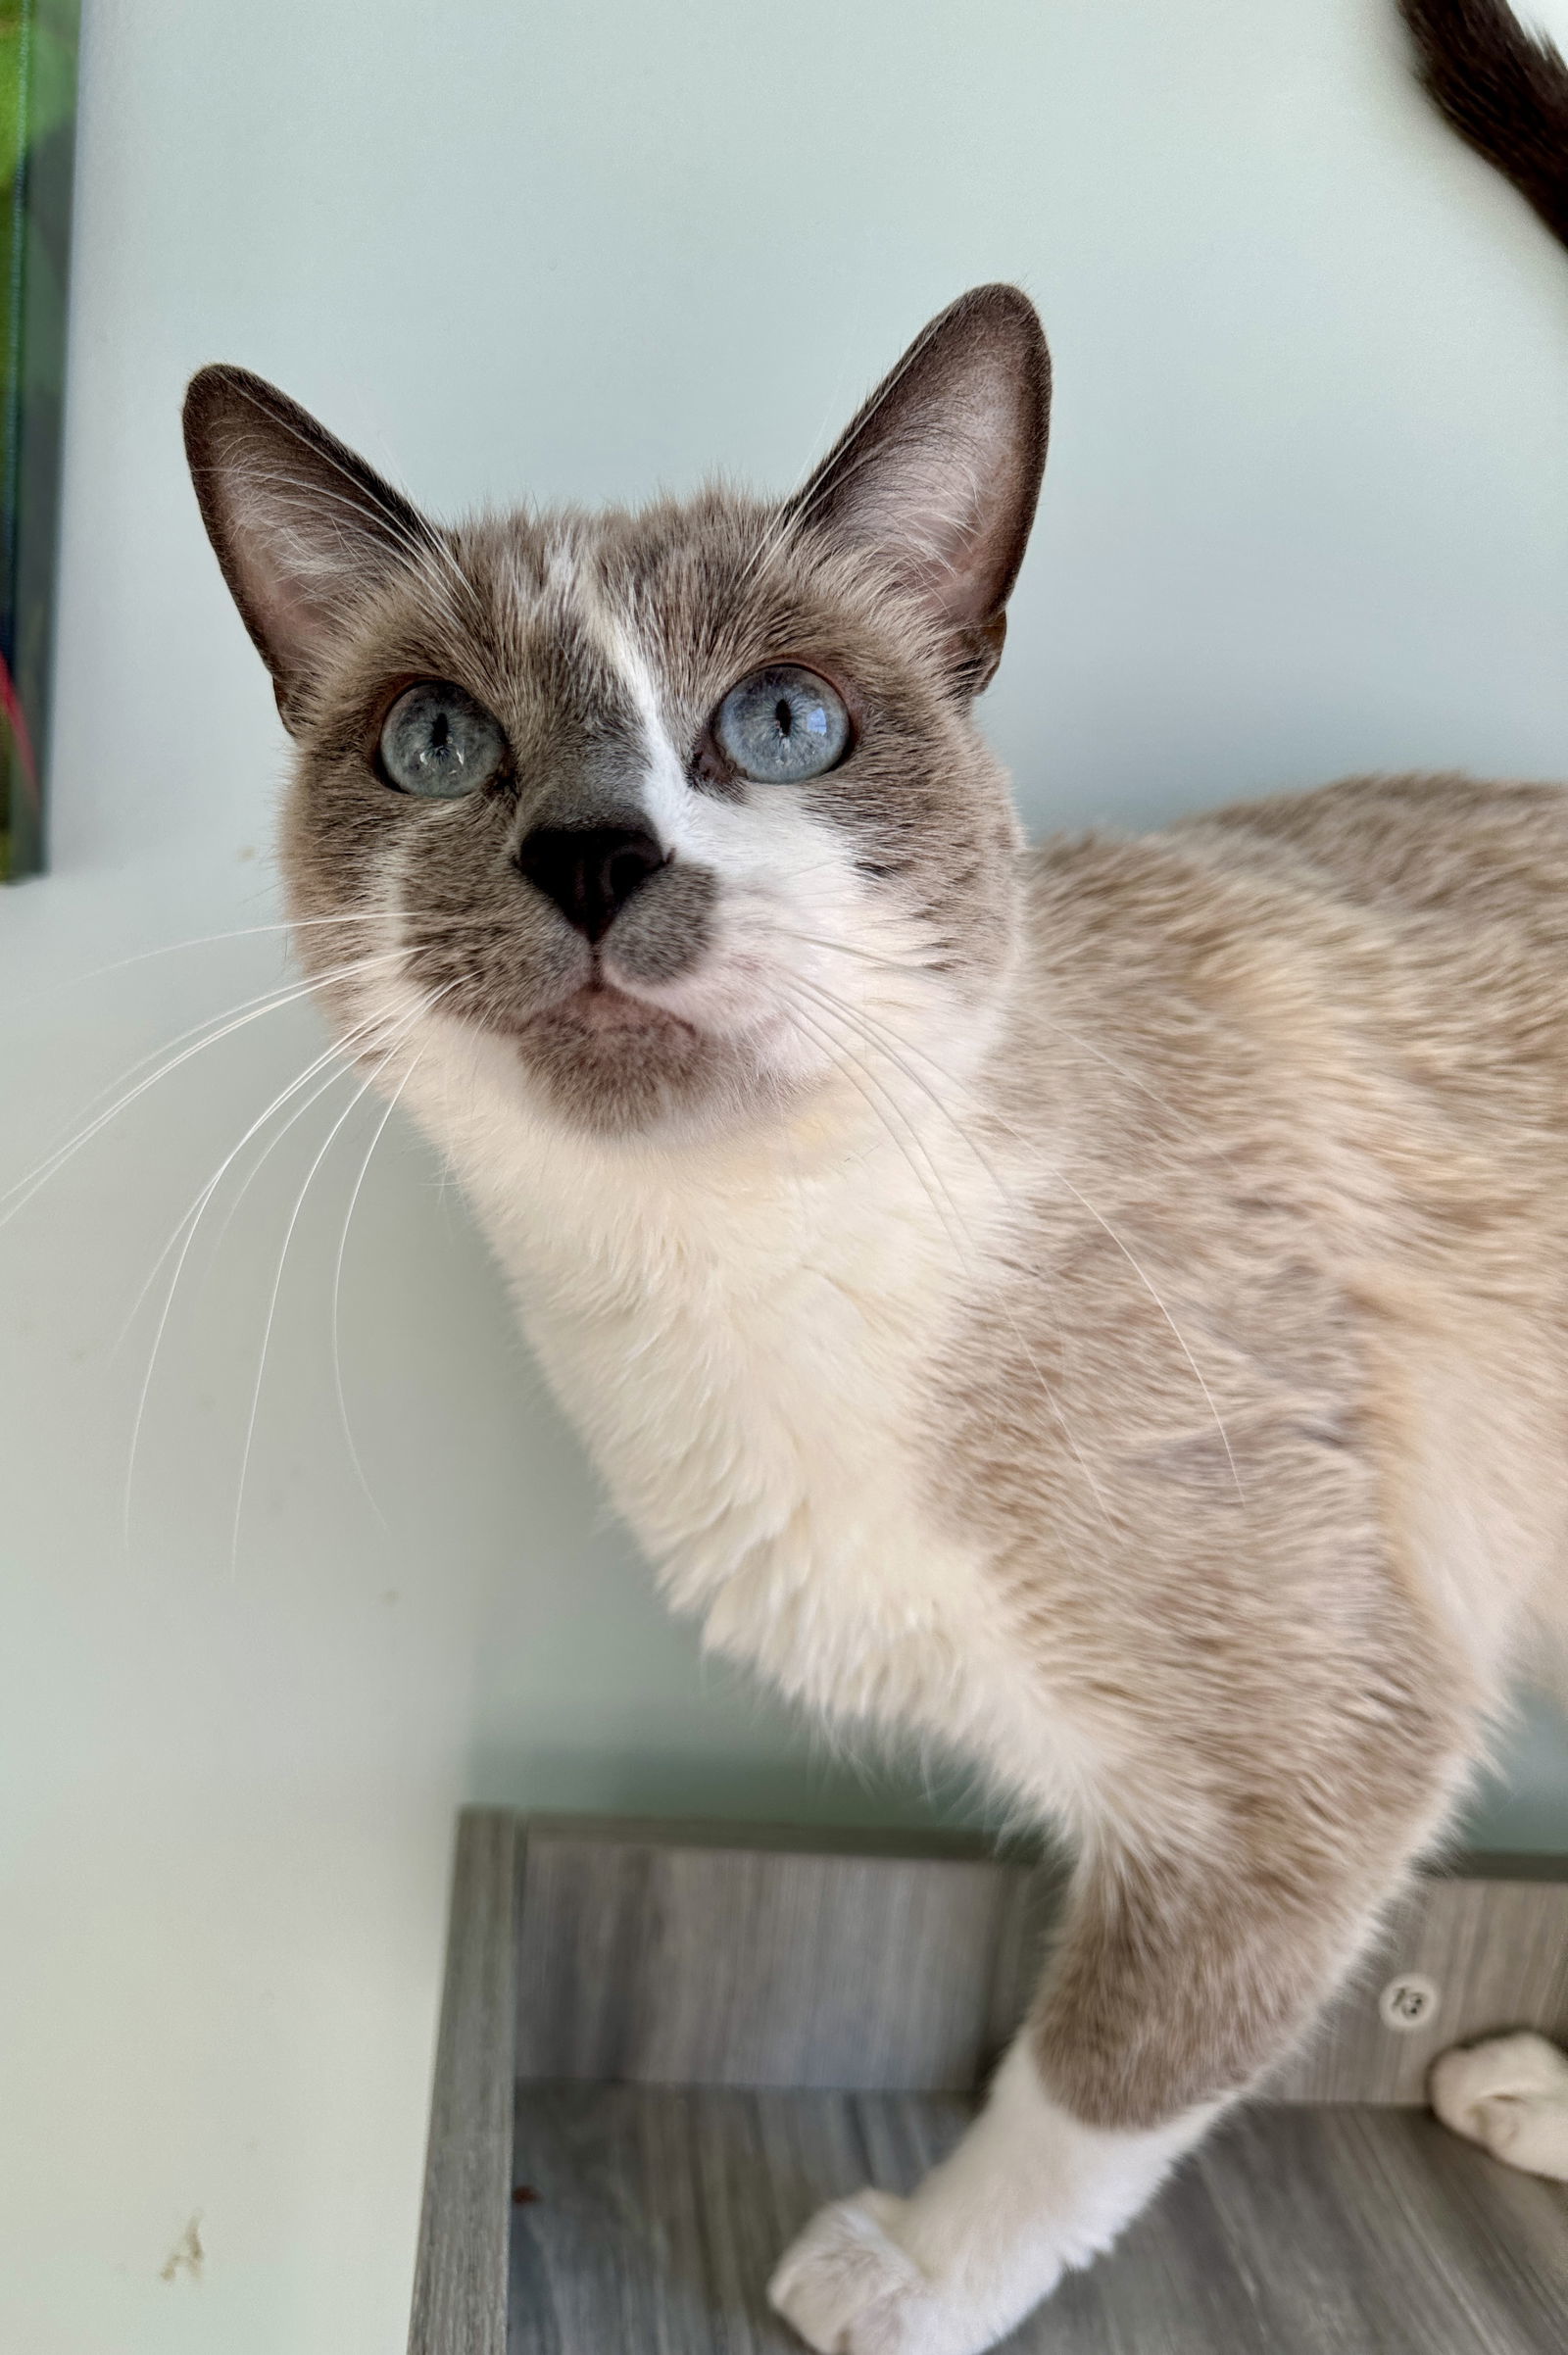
x,y
1238,1268
1269,1151
1102,1311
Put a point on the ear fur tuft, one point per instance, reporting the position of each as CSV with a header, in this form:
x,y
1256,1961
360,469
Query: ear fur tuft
x,y
940,470
302,527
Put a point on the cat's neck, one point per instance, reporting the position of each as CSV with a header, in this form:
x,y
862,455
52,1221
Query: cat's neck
x,y
875,1178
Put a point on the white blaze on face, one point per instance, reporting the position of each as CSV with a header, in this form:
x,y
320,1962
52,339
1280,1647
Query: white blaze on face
x,y
806,953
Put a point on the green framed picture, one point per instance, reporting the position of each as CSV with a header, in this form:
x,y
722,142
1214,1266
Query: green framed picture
x,y
37,142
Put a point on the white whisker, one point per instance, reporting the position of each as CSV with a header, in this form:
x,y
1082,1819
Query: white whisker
x,y
241,932
187,1227
1059,1176
28,1186
1180,1340
337,1294
410,1023
866,1026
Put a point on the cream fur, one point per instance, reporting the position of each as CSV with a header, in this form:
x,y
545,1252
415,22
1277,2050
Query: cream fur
x,y
1510,2094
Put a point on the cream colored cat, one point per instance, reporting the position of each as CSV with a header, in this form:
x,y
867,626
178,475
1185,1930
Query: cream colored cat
x,y
1100,1309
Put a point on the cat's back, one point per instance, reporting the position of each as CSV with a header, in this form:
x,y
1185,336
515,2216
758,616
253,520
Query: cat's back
x,y
1389,950
1348,1005
1447,850
1420,856
1434,915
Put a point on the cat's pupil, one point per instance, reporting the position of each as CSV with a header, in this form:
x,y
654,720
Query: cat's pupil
x,y
782,725
438,741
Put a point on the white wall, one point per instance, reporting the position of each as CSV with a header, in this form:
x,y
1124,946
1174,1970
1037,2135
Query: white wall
x,y
1308,511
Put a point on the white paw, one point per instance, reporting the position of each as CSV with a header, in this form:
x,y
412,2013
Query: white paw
x,y
845,2284
849,2289
1510,2094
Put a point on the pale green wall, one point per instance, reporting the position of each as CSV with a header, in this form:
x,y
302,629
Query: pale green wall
x,y
1307,509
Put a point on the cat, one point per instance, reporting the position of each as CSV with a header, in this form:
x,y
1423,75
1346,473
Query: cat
x,y
1101,1310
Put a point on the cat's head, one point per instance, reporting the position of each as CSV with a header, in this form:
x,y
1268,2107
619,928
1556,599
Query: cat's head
x,y
661,818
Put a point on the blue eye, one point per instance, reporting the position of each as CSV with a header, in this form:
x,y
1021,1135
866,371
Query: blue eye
x,y
782,725
439,743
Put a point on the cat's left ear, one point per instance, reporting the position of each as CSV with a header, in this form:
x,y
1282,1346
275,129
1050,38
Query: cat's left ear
x,y
940,471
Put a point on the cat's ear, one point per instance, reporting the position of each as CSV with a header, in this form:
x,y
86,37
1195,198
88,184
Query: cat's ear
x,y
941,470
302,527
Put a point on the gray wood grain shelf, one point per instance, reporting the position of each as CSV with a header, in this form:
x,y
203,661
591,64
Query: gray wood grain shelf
x,y
1322,2230
680,2039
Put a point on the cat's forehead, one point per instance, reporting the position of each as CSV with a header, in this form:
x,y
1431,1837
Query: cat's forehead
x,y
581,613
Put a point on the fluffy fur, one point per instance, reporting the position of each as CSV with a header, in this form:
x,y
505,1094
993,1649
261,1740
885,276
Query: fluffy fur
x,y
1101,1309
1503,89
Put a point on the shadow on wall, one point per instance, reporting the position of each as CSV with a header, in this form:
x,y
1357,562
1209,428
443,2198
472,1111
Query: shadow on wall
x,y
1518,1807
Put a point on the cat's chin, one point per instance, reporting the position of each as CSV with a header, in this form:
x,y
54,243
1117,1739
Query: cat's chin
x,y
616,1064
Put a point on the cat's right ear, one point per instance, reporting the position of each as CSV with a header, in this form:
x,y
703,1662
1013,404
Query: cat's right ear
x,y
940,473
302,527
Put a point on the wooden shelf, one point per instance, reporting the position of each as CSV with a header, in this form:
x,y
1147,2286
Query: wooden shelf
x,y
1322,2230
678,2040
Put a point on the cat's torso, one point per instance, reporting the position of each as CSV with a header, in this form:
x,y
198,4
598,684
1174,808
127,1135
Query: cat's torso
x,y
930,1418
746,1347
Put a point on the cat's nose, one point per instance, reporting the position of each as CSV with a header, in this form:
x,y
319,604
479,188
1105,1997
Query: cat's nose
x,y
589,871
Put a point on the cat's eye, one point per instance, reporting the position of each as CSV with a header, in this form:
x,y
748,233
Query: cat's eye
x,y
782,725
437,742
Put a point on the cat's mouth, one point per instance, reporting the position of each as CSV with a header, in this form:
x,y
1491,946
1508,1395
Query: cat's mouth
x,y
613,1061
600,1005
598,1009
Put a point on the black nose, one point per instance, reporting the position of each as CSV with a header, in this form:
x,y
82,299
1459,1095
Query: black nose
x,y
589,871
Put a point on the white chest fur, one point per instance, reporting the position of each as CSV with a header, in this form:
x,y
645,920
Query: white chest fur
x,y
743,1347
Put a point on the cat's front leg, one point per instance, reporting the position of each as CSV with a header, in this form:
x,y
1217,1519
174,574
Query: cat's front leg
x,y
1030,2193
1174,1985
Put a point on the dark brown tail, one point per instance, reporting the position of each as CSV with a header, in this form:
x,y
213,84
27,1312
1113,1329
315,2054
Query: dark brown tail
x,y
1504,91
